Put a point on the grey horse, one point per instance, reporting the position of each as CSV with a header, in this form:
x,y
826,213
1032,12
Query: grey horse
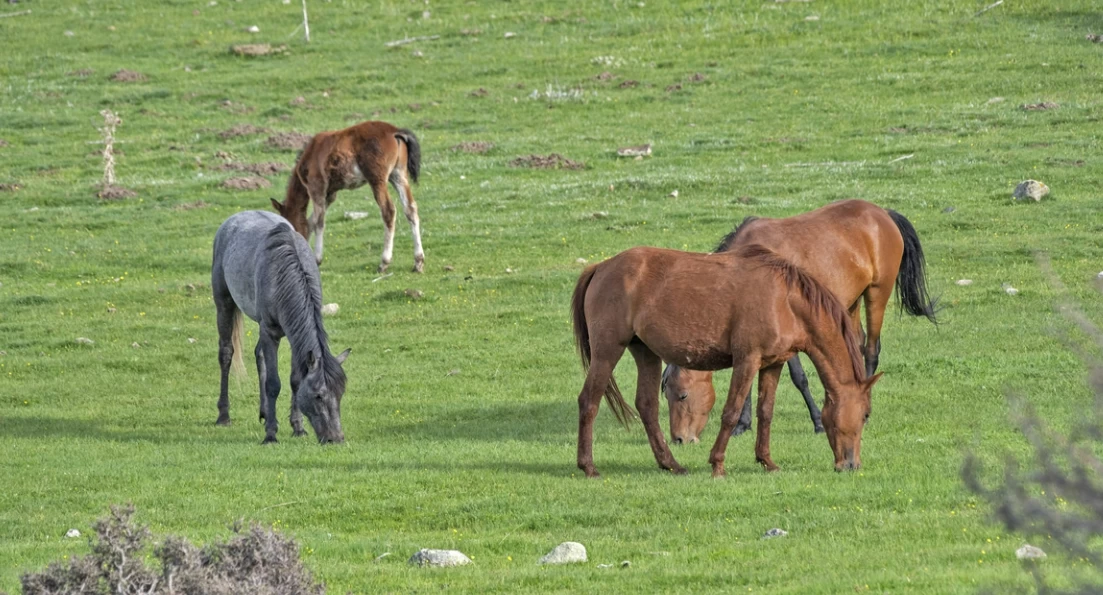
x,y
263,268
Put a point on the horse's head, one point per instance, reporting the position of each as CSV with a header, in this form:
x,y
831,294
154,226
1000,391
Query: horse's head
x,y
297,217
844,416
690,397
318,397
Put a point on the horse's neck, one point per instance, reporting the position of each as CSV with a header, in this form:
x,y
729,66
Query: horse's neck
x,y
828,352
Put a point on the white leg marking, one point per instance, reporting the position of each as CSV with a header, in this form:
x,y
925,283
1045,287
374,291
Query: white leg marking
x,y
411,215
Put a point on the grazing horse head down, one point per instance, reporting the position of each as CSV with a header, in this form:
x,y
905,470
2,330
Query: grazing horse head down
x,y
687,417
319,395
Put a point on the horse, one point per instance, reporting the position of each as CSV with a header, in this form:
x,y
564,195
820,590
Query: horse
x,y
263,268
859,251
747,309
370,153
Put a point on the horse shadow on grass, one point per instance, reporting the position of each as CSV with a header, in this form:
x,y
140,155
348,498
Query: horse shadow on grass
x,y
42,427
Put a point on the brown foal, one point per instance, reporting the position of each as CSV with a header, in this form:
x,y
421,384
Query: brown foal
x,y
372,153
747,309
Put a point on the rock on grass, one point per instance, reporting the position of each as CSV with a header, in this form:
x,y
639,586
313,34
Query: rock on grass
x,y
552,161
246,183
439,558
567,552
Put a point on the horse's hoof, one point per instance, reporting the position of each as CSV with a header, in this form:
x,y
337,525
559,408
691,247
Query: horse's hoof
x,y
383,267
739,429
223,420
679,470
819,429
419,265
269,440
299,433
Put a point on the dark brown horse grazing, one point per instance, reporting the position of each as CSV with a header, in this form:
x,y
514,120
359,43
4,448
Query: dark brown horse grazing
x,y
747,309
372,153
854,248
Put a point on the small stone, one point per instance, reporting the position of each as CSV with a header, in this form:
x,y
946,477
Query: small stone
x,y
414,294
1029,552
995,100
74,533
449,268
253,29
509,271
625,564
584,261
85,341
417,54
510,34
1010,290
1100,275
191,339
600,215
964,282
110,310
135,345
636,151
1030,189
3,353
426,14
300,100
453,372
604,566
330,309
774,533
69,34
811,17
442,558
565,553
949,210
674,194
354,215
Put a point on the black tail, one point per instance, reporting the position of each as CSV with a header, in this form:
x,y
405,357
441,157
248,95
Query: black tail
x,y
616,401
413,153
911,281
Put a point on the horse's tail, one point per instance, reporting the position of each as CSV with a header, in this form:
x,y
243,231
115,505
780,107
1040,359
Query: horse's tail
x,y
911,281
616,400
237,365
413,153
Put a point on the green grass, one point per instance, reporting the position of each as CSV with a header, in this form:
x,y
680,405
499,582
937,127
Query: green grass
x,y
792,114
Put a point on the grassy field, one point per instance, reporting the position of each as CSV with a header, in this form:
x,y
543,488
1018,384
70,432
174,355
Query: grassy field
x,y
461,411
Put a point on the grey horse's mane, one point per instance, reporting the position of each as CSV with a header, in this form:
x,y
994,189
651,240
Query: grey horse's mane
x,y
670,372
728,240
298,289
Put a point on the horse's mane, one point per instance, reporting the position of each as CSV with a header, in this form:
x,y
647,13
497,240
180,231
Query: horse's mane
x,y
670,372
728,240
817,296
297,288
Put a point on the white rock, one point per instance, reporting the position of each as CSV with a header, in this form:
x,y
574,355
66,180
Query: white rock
x,y
510,34
995,100
72,533
253,29
1099,276
443,558
1029,552
774,533
354,215
565,553
1030,189
1010,290
85,341
811,17
583,261
330,309
191,339
964,282
674,194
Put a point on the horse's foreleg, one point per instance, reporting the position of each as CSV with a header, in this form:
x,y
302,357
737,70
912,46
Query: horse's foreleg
x,y
387,210
268,371
742,378
744,416
296,415
225,310
649,375
800,380
875,299
318,228
597,380
767,389
409,207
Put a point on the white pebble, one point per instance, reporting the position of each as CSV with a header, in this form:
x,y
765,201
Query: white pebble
x,y
510,34
964,282
253,29
330,309
191,339
85,341
72,533
354,215
580,261
1029,552
674,194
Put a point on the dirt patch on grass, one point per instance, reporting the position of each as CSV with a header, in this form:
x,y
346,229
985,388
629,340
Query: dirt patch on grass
x,y
191,206
697,77
289,141
3,143
246,183
115,193
629,84
1037,107
128,76
605,76
674,88
9,187
474,146
268,168
480,92
241,130
82,73
256,49
552,161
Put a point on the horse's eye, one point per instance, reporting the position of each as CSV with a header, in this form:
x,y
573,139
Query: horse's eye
x,y
319,397
683,396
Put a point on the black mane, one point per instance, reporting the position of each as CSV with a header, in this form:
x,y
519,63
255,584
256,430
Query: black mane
x,y
726,243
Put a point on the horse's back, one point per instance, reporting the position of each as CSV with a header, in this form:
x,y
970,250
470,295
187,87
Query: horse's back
x,y
239,247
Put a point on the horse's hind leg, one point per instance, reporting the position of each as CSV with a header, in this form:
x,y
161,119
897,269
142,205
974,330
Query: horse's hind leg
x,y
800,380
742,378
268,371
649,375
876,299
409,207
767,390
387,210
226,310
318,227
598,378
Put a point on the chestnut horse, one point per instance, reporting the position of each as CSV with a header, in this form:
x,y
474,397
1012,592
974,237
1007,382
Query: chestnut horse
x,y
372,153
858,251
747,309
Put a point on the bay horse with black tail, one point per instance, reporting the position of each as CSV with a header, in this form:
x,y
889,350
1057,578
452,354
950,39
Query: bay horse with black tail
x,y
371,153
747,309
857,250
262,268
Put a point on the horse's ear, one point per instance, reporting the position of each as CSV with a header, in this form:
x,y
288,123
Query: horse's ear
x,y
344,355
277,205
873,380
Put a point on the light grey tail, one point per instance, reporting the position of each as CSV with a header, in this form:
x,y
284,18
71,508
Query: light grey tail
x,y
237,364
